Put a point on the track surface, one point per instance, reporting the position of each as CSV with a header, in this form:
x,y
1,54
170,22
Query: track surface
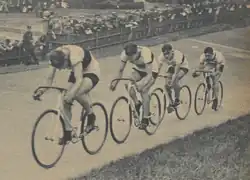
x,y
18,110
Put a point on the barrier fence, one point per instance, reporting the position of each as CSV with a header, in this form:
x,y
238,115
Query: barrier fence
x,y
120,36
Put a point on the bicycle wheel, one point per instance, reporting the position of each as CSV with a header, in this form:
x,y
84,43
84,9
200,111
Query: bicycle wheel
x,y
185,104
161,95
125,123
101,120
35,151
200,99
155,109
220,96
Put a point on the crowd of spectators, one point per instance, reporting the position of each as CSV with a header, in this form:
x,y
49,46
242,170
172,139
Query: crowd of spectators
x,y
129,19
134,18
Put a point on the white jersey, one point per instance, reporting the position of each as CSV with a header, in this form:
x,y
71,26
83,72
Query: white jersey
x,y
81,60
146,57
178,58
218,59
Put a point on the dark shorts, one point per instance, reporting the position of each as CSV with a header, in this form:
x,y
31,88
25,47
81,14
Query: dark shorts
x,y
93,77
144,74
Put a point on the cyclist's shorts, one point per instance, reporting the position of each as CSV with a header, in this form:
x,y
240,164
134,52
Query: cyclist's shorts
x,y
94,78
141,73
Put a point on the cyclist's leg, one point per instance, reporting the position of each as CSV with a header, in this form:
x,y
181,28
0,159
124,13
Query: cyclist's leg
x,y
90,80
216,87
168,79
146,104
177,85
136,76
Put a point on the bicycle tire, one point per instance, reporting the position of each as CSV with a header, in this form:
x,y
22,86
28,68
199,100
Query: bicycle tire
x,y
112,130
93,152
195,99
159,112
163,110
39,162
221,98
189,106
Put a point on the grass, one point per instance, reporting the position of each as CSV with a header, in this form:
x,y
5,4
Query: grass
x,y
219,153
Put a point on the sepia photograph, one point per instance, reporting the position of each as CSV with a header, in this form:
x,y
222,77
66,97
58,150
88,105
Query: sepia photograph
x,y
125,89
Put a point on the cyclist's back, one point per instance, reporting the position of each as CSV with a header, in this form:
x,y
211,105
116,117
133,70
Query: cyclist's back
x,y
146,57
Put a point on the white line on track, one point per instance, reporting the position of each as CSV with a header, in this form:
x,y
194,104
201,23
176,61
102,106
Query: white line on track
x,y
219,45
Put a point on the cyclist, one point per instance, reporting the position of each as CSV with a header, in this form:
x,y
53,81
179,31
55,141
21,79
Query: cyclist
x,y
145,71
83,77
177,68
213,60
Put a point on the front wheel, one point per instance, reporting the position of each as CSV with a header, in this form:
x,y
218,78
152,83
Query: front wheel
x,y
185,103
122,108
200,99
99,134
162,96
47,140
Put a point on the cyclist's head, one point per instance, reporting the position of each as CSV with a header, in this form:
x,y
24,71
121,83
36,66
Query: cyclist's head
x,y
209,53
167,50
131,49
57,59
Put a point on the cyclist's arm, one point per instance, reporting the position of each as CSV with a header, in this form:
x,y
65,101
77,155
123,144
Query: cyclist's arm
x,y
50,78
122,66
161,59
201,64
221,63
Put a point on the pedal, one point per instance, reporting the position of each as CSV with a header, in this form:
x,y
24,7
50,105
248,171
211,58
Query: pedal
x,y
170,109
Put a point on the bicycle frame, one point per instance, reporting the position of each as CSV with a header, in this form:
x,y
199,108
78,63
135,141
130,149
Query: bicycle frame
x,y
61,94
167,94
207,79
131,102
128,87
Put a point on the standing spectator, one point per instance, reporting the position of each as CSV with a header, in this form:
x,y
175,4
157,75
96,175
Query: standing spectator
x,y
28,44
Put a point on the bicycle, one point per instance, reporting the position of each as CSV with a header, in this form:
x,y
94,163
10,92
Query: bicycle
x,y
171,101
75,136
207,92
131,111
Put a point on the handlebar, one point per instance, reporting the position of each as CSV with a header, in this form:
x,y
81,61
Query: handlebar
x,y
204,71
50,87
123,79
37,97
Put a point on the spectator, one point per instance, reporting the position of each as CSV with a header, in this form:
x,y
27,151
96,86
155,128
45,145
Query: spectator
x,y
28,45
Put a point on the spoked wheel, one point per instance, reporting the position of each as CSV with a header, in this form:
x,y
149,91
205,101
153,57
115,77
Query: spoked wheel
x,y
120,120
220,96
94,141
155,109
200,99
183,109
161,95
48,140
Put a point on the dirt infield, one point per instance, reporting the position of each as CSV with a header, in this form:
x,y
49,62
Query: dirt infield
x,y
19,111
220,153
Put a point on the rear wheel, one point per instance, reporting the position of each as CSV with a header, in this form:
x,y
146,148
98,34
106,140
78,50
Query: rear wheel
x,y
220,96
120,120
99,134
155,110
